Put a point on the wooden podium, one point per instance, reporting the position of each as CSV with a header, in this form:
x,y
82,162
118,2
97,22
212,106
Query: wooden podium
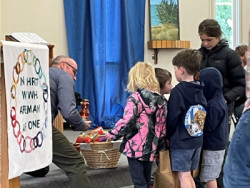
x,y
50,46
58,123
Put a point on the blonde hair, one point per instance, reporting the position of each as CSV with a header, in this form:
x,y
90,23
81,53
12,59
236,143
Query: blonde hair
x,y
142,75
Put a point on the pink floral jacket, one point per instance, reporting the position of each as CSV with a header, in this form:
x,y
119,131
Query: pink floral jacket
x,y
143,126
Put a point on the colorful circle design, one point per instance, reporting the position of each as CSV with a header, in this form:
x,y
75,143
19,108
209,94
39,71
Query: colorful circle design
x,y
28,144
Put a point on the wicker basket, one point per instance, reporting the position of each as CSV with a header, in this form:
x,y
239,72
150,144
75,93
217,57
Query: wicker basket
x,y
101,154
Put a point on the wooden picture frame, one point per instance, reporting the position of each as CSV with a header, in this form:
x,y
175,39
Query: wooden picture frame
x,y
164,20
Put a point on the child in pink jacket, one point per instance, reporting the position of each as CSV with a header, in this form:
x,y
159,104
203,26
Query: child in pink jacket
x,y
143,126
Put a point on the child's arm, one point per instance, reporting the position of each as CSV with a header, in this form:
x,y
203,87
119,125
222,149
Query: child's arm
x,y
128,123
213,121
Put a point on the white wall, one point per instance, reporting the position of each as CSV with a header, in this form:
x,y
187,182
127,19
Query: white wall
x,y
245,7
43,17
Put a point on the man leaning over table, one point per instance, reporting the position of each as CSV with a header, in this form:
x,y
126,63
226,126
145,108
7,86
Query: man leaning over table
x,y
62,91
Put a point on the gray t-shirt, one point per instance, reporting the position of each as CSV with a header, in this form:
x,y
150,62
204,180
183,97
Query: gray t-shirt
x,y
62,92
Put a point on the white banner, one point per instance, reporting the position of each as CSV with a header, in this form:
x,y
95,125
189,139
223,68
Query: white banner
x,y
26,69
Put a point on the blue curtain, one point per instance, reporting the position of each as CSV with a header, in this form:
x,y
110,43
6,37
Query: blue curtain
x,y
106,38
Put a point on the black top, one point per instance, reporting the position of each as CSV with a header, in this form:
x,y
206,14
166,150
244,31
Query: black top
x,y
185,100
216,125
228,62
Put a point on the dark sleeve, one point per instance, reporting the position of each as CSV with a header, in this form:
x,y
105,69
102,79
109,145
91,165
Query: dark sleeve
x,y
175,107
213,120
236,77
67,102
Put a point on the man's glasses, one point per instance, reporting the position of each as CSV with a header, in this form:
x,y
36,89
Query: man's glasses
x,y
73,68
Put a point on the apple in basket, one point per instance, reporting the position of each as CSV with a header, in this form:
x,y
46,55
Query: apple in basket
x,y
79,139
83,138
95,135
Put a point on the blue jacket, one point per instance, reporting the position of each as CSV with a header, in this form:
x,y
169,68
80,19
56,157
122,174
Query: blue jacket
x,y
185,102
216,124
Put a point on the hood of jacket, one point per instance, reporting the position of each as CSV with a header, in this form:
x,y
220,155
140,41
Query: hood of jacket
x,y
150,100
191,91
213,82
222,43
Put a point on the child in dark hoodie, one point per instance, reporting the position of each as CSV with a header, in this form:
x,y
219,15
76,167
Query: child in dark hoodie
x,y
186,116
215,135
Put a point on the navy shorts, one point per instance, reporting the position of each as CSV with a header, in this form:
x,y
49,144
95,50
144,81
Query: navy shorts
x,y
184,160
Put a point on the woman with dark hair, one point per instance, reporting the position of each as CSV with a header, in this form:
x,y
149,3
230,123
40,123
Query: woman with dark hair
x,y
216,53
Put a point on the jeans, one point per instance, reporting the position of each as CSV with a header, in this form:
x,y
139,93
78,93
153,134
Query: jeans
x,y
140,172
184,160
237,165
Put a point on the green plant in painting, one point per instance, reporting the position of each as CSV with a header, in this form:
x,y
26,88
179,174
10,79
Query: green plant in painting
x,y
167,12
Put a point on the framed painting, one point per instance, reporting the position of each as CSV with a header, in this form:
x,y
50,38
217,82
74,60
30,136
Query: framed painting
x,y
164,19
